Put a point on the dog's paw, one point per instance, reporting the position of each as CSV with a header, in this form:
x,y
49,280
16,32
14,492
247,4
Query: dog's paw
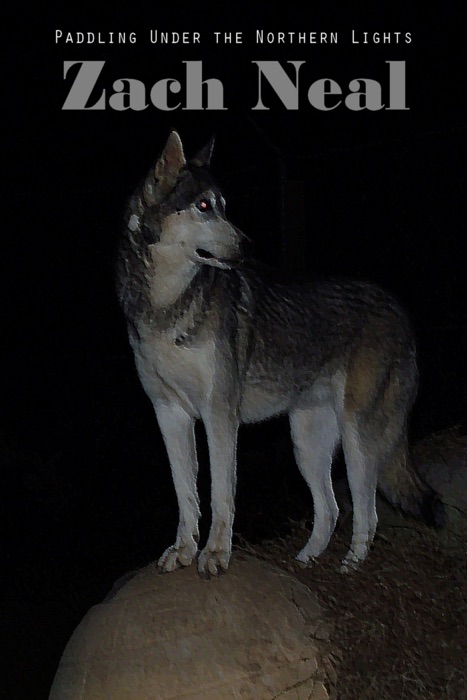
x,y
357,553
350,563
304,559
176,556
212,563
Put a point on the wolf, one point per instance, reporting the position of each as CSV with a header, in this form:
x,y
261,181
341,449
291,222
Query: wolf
x,y
216,340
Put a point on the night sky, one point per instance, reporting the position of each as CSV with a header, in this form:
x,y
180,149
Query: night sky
x,y
372,195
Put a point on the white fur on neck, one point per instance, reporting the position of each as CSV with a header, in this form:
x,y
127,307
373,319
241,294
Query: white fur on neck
x,y
172,273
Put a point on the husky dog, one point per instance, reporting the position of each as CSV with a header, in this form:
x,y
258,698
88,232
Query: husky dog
x,y
214,340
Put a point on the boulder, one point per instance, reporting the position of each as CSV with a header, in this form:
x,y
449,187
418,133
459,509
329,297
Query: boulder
x,y
250,633
441,460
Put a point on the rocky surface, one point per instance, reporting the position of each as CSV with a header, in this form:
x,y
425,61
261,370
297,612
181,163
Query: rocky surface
x,y
255,632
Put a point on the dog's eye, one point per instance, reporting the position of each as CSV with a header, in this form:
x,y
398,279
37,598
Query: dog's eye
x,y
204,205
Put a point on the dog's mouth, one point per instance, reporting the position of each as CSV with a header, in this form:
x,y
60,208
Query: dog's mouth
x,y
206,257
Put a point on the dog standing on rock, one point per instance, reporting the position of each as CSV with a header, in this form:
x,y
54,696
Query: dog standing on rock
x,y
216,341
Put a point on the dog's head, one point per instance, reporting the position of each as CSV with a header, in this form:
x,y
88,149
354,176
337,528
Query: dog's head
x,y
179,206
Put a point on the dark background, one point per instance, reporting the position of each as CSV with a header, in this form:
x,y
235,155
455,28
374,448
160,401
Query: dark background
x,y
86,486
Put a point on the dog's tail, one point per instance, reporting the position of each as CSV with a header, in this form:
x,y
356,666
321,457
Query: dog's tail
x,y
402,487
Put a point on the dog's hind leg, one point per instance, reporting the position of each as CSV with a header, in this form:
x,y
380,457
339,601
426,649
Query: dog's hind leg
x,y
177,429
315,434
362,460
377,398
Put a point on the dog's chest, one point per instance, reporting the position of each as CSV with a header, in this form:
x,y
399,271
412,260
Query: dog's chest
x,y
172,366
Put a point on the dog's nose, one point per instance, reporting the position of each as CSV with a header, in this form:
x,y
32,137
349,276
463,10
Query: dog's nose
x,y
245,243
243,237
248,249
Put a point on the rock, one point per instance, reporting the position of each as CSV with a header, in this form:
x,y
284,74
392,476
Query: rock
x,y
441,461
319,692
246,634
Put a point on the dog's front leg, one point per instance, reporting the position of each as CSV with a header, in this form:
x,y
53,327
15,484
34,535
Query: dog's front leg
x,y
178,431
221,424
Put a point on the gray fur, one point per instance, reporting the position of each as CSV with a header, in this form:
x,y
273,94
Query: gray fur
x,y
215,340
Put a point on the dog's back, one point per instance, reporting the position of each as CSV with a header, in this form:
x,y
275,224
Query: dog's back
x,y
314,333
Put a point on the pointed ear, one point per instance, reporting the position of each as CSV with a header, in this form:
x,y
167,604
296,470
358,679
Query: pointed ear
x,y
203,157
165,173
172,159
